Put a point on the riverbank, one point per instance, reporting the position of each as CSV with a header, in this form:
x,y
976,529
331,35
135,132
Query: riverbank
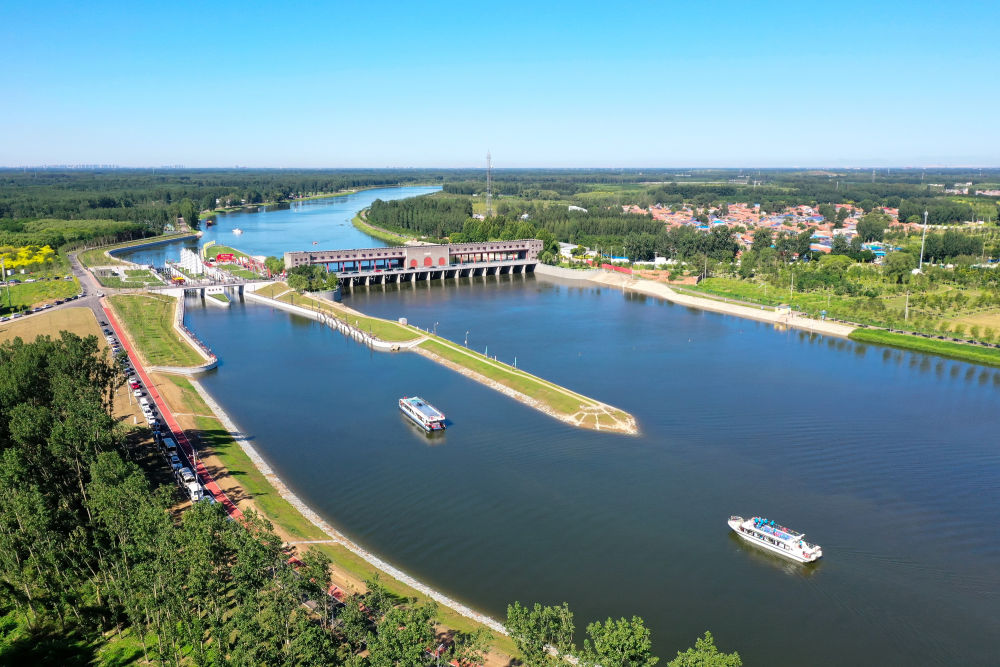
x,y
101,256
660,290
959,351
248,481
360,222
551,399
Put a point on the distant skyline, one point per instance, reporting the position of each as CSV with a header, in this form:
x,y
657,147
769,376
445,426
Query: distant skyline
x,y
631,85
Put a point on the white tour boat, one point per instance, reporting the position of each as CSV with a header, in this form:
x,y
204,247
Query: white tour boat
x,y
237,231
423,413
767,534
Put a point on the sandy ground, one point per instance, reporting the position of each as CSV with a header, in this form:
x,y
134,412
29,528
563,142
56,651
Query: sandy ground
x,y
779,319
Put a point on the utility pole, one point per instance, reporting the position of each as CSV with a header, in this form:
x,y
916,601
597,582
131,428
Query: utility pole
x,y
922,241
906,309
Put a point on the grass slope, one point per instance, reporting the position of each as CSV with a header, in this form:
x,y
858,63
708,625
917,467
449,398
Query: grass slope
x,y
149,320
529,385
970,353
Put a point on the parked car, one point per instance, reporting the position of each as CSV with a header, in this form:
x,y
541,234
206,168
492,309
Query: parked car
x,y
134,385
175,463
186,475
137,393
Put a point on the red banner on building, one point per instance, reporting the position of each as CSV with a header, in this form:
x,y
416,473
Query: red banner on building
x,y
224,257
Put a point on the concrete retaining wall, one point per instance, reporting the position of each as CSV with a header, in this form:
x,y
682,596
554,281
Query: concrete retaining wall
x,y
571,274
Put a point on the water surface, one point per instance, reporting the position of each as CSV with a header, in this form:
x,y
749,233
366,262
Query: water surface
x,y
280,228
886,458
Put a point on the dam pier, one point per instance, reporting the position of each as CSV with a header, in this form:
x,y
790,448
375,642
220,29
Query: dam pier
x,y
378,266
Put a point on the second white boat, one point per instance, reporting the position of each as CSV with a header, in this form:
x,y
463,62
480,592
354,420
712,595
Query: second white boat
x,y
767,534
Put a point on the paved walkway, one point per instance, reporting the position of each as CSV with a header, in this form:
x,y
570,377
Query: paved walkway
x,y
187,449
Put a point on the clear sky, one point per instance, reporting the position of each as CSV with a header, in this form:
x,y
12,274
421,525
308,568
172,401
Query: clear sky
x,y
608,84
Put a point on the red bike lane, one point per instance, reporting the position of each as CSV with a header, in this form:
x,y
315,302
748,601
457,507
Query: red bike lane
x,y
182,440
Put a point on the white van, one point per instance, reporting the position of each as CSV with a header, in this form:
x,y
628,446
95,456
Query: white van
x,y
195,492
144,402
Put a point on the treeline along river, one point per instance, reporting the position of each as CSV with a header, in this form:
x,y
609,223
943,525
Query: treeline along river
x,y
886,458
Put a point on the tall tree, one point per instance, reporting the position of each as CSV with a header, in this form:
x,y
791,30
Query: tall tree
x,y
621,643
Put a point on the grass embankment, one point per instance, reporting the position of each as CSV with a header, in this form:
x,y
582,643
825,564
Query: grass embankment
x,y
960,351
149,320
382,234
96,256
219,296
272,290
26,295
381,329
581,410
286,517
563,401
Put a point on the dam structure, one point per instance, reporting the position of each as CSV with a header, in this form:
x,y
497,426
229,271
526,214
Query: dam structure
x,y
377,266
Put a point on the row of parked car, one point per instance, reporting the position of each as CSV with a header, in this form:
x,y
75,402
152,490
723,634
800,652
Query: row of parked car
x,y
38,309
165,441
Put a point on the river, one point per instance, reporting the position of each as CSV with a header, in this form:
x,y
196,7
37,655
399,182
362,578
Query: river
x,y
887,458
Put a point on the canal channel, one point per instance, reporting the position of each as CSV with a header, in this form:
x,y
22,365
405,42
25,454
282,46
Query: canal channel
x,y
886,458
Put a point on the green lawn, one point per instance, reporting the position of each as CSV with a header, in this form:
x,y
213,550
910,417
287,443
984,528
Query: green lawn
x,y
272,289
214,250
149,320
523,382
219,296
960,351
136,278
115,281
239,272
27,295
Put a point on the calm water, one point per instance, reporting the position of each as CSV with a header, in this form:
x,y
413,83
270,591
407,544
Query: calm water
x,y
286,227
888,459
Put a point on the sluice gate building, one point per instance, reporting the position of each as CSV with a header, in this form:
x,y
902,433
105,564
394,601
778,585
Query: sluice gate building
x,y
376,266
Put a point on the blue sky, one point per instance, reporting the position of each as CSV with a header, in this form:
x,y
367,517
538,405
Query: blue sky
x,y
343,84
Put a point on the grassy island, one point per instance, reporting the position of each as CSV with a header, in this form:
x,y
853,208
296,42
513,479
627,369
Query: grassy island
x,y
550,398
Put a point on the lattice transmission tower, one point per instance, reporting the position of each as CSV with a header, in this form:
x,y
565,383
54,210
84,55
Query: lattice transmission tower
x,y
489,186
